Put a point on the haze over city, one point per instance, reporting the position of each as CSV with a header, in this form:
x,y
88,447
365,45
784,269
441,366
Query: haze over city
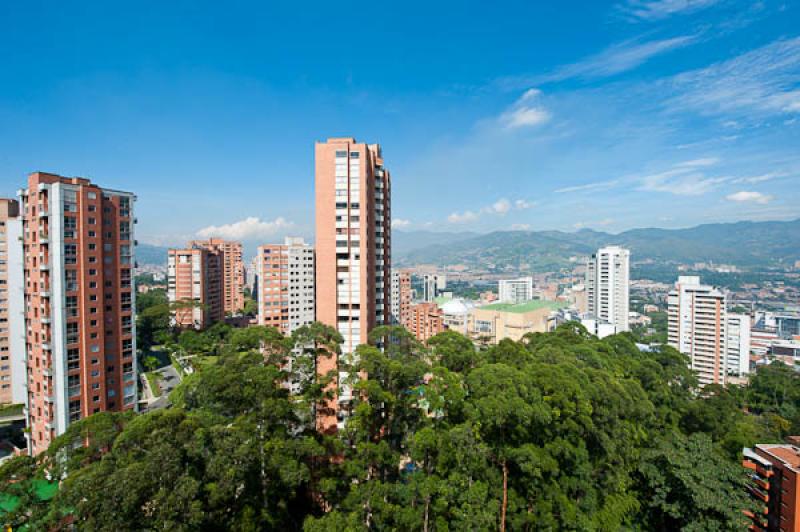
x,y
604,115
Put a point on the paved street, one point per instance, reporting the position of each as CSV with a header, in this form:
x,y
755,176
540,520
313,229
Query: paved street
x,y
169,378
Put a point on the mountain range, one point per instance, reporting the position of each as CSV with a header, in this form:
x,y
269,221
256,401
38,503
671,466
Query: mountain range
x,y
744,244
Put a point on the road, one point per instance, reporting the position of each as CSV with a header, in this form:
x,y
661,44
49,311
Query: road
x,y
169,378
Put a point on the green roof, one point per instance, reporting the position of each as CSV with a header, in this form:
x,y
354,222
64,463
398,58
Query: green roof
x,y
528,306
441,300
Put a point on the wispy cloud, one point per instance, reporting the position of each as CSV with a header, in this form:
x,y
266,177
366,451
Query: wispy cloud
x,y
616,59
520,227
684,179
650,10
399,223
522,204
760,178
526,111
764,80
598,223
746,196
462,217
251,228
600,185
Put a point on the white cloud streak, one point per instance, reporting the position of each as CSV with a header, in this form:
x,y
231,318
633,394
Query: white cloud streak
x,y
600,185
650,10
684,179
399,223
525,112
251,228
746,196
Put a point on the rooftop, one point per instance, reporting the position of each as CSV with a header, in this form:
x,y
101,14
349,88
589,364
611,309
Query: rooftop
x,y
788,454
528,306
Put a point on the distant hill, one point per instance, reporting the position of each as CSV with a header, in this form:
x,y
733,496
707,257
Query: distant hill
x,y
745,244
405,241
150,254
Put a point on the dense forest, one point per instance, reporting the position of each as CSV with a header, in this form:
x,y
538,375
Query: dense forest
x,y
561,431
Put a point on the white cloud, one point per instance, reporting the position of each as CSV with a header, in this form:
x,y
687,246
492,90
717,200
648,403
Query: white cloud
x,y
763,80
251,228
522,204
399,223
602,223
501,207
462,217
600,185
749,196
684,179
525,112
760,178
521,227
649,10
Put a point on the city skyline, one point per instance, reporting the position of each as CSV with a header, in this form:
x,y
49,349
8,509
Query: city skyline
x,y
666,114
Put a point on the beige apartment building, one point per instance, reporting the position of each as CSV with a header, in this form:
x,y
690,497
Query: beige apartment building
x,y
79,303
232,270
195,284
492,323
425,320
400,304
353,244
12,307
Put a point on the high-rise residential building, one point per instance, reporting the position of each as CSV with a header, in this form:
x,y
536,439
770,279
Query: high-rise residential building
x,y
515,290
697,325
251,278
400,297
774,486
286,287
607,286
353,244
737,344
195,286
12,305
232,268
433,284
425,321
79,303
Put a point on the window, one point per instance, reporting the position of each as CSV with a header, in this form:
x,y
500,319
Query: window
x,y
70,254
354,155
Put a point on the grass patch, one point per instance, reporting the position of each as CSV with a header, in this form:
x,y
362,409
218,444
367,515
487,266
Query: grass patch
x,y
152,379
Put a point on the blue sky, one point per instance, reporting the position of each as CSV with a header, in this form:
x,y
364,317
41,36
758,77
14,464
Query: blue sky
x,y
492,116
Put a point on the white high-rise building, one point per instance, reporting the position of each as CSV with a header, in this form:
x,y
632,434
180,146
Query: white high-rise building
x,y
738,344
697,327
607,286
433,284
515,290
286,285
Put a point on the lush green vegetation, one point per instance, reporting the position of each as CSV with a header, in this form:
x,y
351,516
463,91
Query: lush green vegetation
x,y
559,431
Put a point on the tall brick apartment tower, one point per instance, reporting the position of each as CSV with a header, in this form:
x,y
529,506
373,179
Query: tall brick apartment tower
x,y
232,270
353,242
78,252
195,283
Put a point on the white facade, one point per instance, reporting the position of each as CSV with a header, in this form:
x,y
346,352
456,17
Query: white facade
x,y
293,286
738,344
16,311
697,327
608,286
394,297
515,290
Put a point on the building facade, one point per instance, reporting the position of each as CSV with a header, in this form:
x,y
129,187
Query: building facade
x,y
353,244
696,326
491,323
425,321
515,290
80,303
400,304
773,486
737,344
608,286
433,284
195,286
12,305
286,288
232,269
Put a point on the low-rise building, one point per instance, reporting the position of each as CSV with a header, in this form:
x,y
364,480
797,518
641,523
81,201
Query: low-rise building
x,y
492,323
425,321
515,290
774,486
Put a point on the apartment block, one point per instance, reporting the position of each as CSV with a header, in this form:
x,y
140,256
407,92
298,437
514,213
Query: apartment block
x,y
697,327
286,285
195,286
737,344
400,297
353,244
12,305
773,486
232,269
425,321
515,290
79,303
608,286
